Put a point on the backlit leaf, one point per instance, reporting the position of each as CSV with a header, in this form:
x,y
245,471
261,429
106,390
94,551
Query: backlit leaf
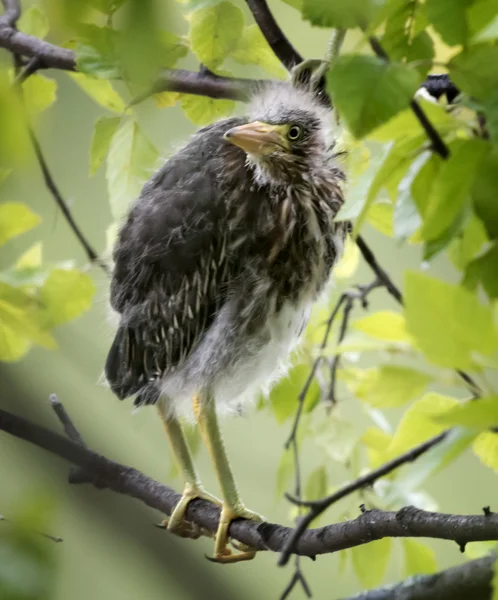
x,y
485,191
474,71
451,190
39,93
34,22
130,162
342,14
418,425
283,397
466,246
486,448
391,385
175,48
384,325
31,259
166,99
481,414
368,91
254,49
347,265
420,558
450,324
484,270
449,19
215,31
16,218
104,129
96,52
101,91
316,484
202,110
284,473
380,216
370,561
66,294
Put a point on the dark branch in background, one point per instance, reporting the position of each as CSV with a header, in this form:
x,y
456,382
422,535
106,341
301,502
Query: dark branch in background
x,y
319,506
371,525
275,37
471,581
10,15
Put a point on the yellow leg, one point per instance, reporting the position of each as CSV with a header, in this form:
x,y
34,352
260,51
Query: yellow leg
x,y
232,508
176,523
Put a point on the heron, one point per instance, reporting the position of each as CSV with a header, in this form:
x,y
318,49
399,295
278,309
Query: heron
x,y
216,268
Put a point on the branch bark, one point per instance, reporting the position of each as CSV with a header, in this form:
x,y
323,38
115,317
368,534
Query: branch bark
x,y
473,580
371,525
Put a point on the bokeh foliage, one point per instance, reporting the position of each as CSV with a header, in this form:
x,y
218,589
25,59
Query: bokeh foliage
x,y
395,359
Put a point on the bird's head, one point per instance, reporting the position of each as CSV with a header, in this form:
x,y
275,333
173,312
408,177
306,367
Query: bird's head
x,y
285,138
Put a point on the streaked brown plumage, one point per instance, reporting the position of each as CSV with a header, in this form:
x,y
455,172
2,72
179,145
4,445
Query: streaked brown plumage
x,y
223,254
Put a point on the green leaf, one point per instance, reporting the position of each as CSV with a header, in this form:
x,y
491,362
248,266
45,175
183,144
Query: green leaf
x,y
420,558
254,49
39,93
16,218
406,217
417,424
370,561
450,324
380,216
474,71
316,484
283,397
202,110
174,48
66,294
451,190
475,414
486,449
104,129
166,99
449,19
215,32
468,244
96,52
31,259
130,162
485,191
391,385
34,22
342,14
485,270
284,473
298,4
101,91
384,325
20,326
368,91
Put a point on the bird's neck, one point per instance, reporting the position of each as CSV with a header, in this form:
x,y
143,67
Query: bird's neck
x,y
280,173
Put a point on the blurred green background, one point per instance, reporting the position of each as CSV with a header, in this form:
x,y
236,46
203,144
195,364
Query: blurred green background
x,y
110,549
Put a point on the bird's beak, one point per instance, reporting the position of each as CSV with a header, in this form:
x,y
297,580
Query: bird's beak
x,y
256,138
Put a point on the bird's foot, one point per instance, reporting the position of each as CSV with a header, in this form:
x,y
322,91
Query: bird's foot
x,y
176,522
223,554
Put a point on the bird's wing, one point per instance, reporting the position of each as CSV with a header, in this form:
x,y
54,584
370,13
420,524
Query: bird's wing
x,y
170,265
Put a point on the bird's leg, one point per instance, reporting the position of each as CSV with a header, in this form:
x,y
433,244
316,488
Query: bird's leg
x,y
176,523
232,508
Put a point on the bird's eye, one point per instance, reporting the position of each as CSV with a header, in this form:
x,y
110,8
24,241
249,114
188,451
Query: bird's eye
x,y
294,133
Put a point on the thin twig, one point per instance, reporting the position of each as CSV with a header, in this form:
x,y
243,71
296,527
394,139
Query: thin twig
x,y
53,538
359,294
54,190
319,506
69,427
33,65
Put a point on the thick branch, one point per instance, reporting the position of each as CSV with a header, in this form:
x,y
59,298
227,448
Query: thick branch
x,y
275,37
371,525
470,581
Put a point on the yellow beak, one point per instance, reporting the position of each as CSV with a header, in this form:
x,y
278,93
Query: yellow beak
x,y
256,138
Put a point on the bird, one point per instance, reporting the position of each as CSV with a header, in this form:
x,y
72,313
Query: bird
x,y
216,268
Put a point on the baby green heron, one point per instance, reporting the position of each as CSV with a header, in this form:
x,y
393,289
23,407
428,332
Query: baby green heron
x,y
216,269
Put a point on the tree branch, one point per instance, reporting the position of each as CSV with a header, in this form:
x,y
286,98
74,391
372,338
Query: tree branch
x,y
275,37
319,506
371,525
470,581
